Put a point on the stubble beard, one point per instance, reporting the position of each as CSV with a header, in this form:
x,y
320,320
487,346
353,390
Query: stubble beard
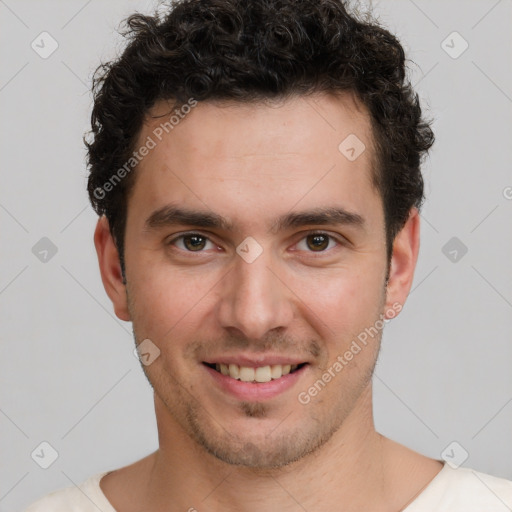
x,y
281,446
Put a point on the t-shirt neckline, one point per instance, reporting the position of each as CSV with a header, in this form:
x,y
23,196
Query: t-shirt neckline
x,y
93,484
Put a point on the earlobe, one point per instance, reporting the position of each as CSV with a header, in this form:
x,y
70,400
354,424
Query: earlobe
x,y
403,261
110,268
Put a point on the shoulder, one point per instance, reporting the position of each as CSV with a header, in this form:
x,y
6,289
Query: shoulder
x,y
464,490
86,497
480,487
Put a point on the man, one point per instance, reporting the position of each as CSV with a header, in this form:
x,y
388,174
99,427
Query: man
x,y
256,168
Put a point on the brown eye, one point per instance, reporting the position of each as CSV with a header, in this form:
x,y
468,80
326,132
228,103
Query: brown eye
x,y
317,242
194,242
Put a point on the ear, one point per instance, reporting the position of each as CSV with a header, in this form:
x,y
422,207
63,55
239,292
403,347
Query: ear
x,y
403,262
110,268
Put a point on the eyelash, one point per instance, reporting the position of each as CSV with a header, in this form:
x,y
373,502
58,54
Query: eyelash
x,y
338,240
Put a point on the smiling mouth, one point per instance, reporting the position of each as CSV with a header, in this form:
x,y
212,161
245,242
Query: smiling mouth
x,y
259,374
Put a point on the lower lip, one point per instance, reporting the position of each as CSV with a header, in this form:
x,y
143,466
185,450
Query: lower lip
x,y
255,391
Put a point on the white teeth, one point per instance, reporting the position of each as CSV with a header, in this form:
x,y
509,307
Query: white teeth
x,y
234,371
246,374
260,374
276,371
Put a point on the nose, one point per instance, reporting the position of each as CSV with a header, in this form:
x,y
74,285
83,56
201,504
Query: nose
x,y
254,299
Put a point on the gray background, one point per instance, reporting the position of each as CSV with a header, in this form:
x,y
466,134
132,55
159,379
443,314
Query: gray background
x,y
69,376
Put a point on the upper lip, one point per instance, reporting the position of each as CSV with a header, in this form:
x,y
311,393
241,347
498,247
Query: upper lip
x,y
255,361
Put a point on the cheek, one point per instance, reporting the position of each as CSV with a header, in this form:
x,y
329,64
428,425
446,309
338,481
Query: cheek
x,y
167,299
344,293
341,308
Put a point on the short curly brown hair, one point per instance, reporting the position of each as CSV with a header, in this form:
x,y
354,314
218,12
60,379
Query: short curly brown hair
x,y
248,51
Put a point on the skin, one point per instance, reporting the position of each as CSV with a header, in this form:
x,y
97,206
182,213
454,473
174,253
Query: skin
x,y
252,164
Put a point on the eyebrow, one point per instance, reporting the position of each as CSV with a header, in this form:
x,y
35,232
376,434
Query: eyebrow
x,y
318,216
171,215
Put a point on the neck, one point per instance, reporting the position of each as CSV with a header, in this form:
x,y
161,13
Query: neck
x,y
347,473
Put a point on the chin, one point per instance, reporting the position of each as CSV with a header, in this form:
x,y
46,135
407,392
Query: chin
x,y
259,446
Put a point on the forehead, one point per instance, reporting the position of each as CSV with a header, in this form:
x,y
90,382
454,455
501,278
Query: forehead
x,y
310,149
318,123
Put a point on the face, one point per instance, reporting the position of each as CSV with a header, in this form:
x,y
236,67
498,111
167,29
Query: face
x,y
255,256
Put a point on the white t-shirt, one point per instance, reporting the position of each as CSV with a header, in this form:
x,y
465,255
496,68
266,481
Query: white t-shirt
x,y
451,490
